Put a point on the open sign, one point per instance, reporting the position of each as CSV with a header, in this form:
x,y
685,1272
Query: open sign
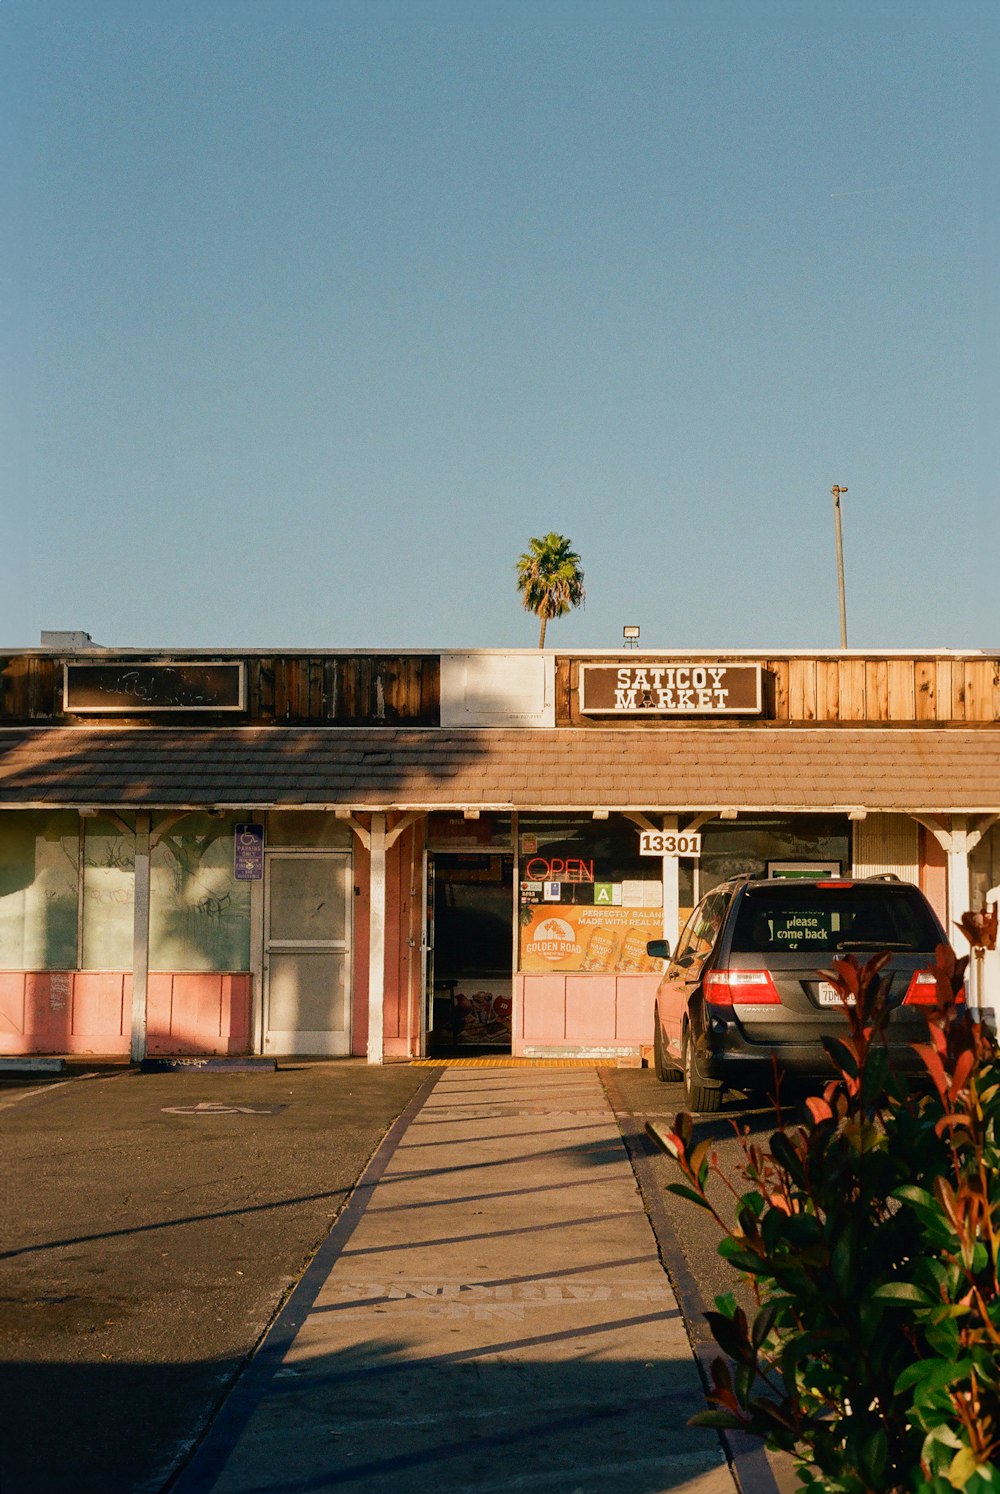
x,y
559,869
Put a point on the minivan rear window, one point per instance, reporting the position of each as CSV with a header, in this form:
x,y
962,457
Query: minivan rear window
x,y
793,919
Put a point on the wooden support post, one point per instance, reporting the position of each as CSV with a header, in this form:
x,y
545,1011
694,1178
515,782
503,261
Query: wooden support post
x,y
671,890
959,878
257,965
140,937
958,839
376,940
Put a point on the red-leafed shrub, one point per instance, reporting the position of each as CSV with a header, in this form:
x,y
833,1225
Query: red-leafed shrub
x,y
870,1233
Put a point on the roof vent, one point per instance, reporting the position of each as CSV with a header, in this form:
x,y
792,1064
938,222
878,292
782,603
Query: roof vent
x,y
67,642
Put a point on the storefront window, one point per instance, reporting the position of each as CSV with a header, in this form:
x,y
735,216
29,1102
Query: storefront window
x,y
39,854
588,900
750,844
199,914
108,893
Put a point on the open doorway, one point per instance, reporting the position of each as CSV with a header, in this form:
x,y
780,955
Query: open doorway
x,y
470,916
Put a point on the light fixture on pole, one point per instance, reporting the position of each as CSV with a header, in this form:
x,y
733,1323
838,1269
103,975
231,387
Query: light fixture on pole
x,y
836,491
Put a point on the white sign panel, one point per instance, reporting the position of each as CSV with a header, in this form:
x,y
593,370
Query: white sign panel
x,y
636,894
669,843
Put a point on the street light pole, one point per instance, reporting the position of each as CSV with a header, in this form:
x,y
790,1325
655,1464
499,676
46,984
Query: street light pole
x,y
836,491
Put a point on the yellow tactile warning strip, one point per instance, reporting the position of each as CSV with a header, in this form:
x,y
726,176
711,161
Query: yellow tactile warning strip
x,y
513,1063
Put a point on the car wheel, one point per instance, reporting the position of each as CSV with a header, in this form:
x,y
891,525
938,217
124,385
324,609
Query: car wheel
x,y
697,1096
665,1070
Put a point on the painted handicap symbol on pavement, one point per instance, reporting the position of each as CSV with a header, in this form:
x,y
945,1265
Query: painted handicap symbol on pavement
x,y
220,1107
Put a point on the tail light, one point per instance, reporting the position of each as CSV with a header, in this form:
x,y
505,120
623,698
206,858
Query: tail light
x,y
740,988
923,990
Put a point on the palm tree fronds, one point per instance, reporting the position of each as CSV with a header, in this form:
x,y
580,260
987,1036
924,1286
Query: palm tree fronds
x,y
550,579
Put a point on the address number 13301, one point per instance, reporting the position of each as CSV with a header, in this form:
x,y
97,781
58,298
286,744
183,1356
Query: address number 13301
x,y
669,843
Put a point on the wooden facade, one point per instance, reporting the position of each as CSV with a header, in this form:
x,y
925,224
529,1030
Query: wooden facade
x,y
404,689
363,689
823,689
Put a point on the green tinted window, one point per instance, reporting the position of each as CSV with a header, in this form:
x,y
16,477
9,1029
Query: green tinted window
x,y
199,914
108,893
39,851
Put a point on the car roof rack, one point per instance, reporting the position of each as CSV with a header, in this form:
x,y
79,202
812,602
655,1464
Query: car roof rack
x,y
880,877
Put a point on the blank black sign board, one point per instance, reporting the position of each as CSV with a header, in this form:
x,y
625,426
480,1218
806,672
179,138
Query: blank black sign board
x,y
135,689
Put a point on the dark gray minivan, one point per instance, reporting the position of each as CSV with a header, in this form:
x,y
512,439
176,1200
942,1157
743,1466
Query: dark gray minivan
x,y
743,988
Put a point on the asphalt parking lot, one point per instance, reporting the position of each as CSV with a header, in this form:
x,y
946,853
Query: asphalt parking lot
x,y
152,1224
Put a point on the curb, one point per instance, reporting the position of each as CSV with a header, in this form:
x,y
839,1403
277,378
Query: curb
x,y
748,1458
212,1065
32,1065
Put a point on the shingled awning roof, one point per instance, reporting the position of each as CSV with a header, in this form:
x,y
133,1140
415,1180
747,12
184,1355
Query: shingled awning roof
x,y
669,768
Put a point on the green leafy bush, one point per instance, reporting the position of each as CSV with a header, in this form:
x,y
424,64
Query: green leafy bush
x,y
869,1232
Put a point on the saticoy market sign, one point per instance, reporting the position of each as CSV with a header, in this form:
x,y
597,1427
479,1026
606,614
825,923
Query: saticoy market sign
x,y
666,689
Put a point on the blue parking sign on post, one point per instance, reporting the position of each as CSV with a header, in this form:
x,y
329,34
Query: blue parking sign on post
x,y
248,855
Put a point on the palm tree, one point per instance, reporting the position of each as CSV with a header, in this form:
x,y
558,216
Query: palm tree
x,y
550,579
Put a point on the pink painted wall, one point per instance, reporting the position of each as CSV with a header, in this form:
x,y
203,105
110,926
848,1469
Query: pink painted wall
x,y
583,1011
403,939
934,873
65,1011
74,1011
203,1013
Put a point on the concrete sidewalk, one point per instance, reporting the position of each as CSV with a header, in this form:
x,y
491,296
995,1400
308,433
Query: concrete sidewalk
x,y
489,1314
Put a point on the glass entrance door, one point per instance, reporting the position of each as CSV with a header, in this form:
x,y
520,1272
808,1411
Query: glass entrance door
x,y
470,930
307,953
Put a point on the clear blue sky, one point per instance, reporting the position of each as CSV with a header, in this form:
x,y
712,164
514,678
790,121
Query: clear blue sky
x,y
316,310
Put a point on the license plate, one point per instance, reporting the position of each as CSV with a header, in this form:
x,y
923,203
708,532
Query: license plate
x,y
830,996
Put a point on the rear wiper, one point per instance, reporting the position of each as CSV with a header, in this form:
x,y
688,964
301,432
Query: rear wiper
x,y
874,944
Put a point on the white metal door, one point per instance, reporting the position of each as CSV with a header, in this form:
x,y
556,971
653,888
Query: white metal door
x,y
307,953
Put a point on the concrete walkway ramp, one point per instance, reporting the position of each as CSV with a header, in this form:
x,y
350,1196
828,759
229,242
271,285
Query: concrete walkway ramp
x,y
493,1317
